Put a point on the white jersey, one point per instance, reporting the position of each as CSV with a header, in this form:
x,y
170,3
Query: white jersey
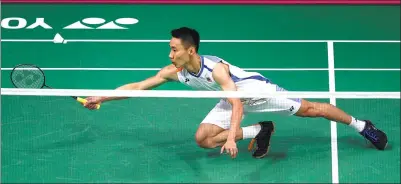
x,y
204,79
221,114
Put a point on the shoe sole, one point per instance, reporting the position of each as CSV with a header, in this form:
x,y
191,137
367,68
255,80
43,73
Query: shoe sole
x,y
252,144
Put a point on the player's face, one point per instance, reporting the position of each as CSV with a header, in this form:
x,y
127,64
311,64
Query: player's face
x,y
179,55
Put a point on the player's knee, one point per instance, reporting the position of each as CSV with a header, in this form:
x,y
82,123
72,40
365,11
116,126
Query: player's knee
x,y
199,137
207,143
205,133
203,140
313,109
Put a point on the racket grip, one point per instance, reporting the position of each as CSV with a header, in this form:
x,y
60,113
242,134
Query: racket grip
x,y
83,101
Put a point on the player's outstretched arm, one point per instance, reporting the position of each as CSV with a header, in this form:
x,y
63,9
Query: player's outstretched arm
x,y
168,73
222,76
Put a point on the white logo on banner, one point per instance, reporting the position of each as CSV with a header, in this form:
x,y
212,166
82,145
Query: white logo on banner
x,y
102,23
86,23
21,23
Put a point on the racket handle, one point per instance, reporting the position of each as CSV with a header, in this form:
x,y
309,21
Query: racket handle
x,y
83,101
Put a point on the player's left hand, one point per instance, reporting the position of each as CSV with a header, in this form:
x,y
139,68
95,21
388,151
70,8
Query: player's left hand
x,y
231,148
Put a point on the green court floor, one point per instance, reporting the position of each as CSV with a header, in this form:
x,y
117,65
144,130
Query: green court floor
x,y
54,140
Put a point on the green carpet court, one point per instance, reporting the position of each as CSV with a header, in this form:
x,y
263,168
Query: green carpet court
x,y
54,140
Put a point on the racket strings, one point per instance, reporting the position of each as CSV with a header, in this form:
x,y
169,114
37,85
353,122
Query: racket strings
x,y
27,77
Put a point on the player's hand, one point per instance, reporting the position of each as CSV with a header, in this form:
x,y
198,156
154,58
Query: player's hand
x,y
92,102
230,147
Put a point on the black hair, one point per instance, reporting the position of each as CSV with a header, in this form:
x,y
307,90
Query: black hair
x,y
189,37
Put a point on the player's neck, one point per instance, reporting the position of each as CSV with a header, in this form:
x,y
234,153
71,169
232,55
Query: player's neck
x,y
194,65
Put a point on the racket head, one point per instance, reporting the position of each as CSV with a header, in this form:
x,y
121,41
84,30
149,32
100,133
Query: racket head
x,y
27,76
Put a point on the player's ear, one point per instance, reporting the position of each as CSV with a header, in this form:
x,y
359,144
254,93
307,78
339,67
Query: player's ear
x,y
191,50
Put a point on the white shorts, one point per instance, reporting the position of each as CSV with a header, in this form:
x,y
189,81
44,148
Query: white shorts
x,y
220,115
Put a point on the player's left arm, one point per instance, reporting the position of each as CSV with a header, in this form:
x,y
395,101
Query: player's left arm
x,y
221,75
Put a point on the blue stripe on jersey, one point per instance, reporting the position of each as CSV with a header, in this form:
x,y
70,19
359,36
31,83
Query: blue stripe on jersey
x,y
233,77
236,79
256,77
201,68
210,70
213,58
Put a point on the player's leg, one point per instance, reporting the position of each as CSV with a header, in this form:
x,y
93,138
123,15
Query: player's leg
x,y
304,108
210,135
328,111
213,131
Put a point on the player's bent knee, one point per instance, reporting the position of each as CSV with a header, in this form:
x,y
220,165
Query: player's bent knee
x,y
203,140
207,143
200,137
205,133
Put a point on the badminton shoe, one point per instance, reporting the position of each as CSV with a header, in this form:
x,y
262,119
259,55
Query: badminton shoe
x,y
377,137
262,140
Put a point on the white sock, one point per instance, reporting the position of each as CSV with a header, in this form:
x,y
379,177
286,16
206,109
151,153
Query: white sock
x,y
250,131
357,124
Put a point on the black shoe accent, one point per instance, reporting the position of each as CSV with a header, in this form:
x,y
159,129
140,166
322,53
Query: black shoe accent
x,y
377,137
262,139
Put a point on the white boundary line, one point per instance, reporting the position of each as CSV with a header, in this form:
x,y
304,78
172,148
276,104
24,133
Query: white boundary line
x,y
1,115
204,41
366,69
332,89
26,40
248,69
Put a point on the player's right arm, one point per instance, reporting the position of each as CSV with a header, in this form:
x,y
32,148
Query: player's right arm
x,y
166,74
